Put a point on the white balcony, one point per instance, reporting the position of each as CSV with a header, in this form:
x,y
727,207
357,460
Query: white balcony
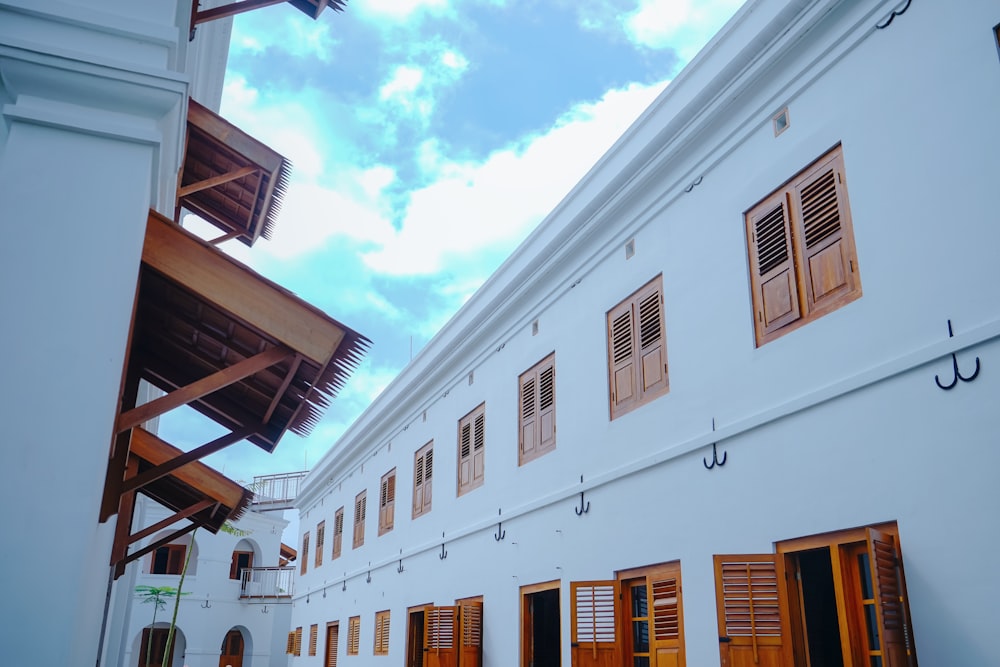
x,y
267,582
276,492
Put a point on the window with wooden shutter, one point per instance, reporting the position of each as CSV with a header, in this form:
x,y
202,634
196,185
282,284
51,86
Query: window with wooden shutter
x,y
537,410
652,604
297,648
338,532
472,449
752,611
313,637
803,263
332,638
470,633
290,643
382,633
320,536
353,635
168,559
637,349
594,635
441,642
887,625
423,476
305,554
387,502
360,509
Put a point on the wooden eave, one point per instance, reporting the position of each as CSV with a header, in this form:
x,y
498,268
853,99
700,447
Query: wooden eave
x,y
229,178
311,8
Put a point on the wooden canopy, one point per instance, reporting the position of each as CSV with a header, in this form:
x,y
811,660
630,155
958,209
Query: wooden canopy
x,y
229,178
311,8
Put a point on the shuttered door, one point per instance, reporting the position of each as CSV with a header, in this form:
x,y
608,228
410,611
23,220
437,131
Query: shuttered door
x,y
592,617
332,636
753,611
826,248
441,636
772,266
889,598
470,634
667,636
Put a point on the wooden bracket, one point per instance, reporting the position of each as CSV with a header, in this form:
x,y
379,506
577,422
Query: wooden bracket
x,y
216,180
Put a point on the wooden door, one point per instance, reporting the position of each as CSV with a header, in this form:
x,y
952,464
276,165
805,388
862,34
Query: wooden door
x,y
232,650
753,611
470,633
441,639
593,610
889,600
667,631
332,638
158,639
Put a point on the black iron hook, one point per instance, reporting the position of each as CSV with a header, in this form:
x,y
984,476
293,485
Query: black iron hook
x,y
954,365
443,554
369,579
207,604
886,22
501,533
400,568
344,587
582,509
264,610
716,461
693,183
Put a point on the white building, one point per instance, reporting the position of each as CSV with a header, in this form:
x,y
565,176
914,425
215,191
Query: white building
x,y
725,359
99,290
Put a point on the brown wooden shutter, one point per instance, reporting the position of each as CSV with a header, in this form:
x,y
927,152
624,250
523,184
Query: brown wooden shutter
x,y
387,502
652,339
546,419
320,536
772,265
382,633
338,532
479,447
621,353
593,614
297,649
423,476
332,637
826,249
353,635
360,507
290,643
752,611
471,449
528,408
470,634
667,632
313,636
304,556
234,566
464,455
889,598
418,485
441,640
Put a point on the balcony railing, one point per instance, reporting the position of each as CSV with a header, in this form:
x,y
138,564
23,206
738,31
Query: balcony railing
x,y
267,582
276,492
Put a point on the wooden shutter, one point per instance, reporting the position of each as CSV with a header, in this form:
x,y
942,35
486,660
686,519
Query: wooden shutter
x,y
297,648
290,643
304,556
441,636
332,637
621,352
528,402
593,610
382,633
471,449
546,419
387,502
772,265
313,636
353,635
320,536
667,631
637,351
338,532
890,602
752,611
423,476
470,634
537,405
360,508
826,248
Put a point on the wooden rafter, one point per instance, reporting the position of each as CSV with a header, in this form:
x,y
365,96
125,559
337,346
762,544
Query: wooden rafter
x,y
216,181
232,9
170,520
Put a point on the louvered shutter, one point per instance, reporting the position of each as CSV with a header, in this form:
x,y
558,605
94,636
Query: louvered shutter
x,y
382,633
528,407
313,636
593,612
621,352
772,265
353,635
418,485
464,455
428,479
338,532
652,340
332,637
297,649
889,601
471,449
320,537
479,447
290,643
304,556
470,634
423,476
752,611
441,640
360,508
824,233
667,636
387,502
547,407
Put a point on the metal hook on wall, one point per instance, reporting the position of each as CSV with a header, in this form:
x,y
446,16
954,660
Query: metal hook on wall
x,y
693,183
954,364
716,461
369,579
501,533
400,568
887,21
582,509
264,610
207,604
344,587
443,554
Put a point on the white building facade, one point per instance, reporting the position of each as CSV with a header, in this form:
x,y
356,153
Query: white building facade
x,y
733,402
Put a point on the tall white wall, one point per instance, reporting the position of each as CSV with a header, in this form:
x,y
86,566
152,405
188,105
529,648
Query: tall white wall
x,y
836,425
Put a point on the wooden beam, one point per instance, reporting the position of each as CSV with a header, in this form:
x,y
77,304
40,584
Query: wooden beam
x,y
240,292
157,544
292,370
216,180
226,237
160,525
137,482
202,387
232,9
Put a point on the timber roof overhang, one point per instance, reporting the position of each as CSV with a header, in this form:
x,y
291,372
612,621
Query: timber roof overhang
x,y
229,178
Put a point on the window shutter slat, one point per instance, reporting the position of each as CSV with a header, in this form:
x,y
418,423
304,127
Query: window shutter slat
x,y
752,609
772,269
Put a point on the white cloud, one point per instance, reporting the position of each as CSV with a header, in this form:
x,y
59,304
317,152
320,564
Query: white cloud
x,y
289,32
683,25
397,11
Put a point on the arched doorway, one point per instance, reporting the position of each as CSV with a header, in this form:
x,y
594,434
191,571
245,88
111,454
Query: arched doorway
x,y
156,639
232,649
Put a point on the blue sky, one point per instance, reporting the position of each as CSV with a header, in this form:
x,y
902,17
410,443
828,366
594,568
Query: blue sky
x,y
428,138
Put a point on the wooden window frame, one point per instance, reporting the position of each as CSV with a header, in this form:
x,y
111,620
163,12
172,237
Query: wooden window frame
x,y
360,514
304,554
665,622
472,450
637,350
338,532
387,502
320,537
536,406
234,569
423,479
175,559
381,641
525,624
313,638
795,280
353,635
